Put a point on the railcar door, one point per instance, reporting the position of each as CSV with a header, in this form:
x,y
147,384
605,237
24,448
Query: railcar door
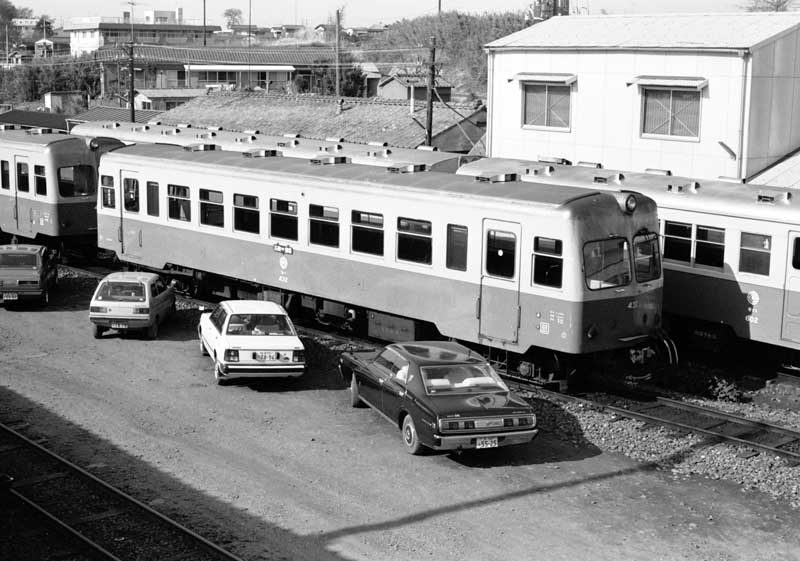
x,y
23,209
498,306
130,226
790,328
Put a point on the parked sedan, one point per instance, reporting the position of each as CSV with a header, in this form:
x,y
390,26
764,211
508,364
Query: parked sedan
x,y
251,339
440,394
131,301
27,273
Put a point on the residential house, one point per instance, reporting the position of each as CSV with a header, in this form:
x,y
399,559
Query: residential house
x,y
399,85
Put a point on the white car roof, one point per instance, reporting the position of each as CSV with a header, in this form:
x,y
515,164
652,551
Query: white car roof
x,y
253,307
130,276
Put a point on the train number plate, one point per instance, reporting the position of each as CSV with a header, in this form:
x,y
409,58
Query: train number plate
x,y
486,442
119,325
264,355
10,296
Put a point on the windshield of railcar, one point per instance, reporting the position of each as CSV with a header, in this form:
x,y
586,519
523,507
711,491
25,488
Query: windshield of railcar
x,y
607,263
461,378
76,181
18,260
646,257
121,291
259,324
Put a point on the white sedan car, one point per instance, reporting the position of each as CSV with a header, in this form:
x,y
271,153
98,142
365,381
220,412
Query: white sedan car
x,y
251,339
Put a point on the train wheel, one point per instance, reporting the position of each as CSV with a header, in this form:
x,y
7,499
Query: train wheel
x,y
410,437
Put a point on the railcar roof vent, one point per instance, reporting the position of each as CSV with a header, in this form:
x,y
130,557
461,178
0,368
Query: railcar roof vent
x,y
289,143
379,153
544,170
261,153
245,139
596,165
428,148
214,128
40,131
140,128
554,160
112,125
153,122
253,131
200,147
336,148
329,160
771,198
170,132
377,143
614,178
7,127
654,171
184,125
334,139
209,134
407,168
497,178
291,135
691,187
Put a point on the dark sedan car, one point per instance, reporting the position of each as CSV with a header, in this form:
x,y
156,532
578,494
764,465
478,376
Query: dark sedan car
x,y
27,273
440,394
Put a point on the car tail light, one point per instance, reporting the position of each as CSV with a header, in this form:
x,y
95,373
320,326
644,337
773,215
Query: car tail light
x,y
508,422
98,309
28,283
469,424
143,311
231,355
299,356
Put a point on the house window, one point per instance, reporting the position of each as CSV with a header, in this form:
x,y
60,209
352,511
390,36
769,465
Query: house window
x,y
671,112
246,217
546,105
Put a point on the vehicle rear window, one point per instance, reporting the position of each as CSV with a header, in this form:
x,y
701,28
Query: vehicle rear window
x,y
461,378
18,260
259,324
121,291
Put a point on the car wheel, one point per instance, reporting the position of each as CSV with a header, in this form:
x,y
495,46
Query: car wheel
x,y
221,381
410,436
355,399
152,330
203,350
45,300
97,331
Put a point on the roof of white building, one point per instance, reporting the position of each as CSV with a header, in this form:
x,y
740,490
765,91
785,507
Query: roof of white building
x,y
695,32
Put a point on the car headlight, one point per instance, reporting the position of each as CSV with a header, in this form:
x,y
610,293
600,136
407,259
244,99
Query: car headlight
x,y
231,355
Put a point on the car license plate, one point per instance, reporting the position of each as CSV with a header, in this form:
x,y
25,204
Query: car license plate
x,y
10,296
486,442
263,355
119,325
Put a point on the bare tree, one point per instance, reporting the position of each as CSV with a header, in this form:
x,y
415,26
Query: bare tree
x,y
233,16
768,5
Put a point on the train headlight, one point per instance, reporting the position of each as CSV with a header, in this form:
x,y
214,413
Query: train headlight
x,y
630,203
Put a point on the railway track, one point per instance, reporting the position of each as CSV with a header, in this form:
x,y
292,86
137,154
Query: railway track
x,y
75,515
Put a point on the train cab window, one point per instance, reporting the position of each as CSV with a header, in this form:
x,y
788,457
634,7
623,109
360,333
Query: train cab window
x,y
414,240
323,225
606,263
710,246
107,188
646,258
283,219
246,217
678,241
212,212
367,232
456,247
178,203
548,264
501,253
152,198
5,181
76,181
130,194
754,253
39,180
23,177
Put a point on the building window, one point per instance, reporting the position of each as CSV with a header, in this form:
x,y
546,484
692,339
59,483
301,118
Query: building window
x,y
179,205
212,213
152,198
547,262
367,232
39,180
456,247
671,112
501,251
323,225
283,219
754,254
546,105
130,194
246,217
414,241
107,183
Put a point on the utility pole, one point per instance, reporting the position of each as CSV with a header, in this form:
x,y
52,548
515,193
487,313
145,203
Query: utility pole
x,y
131,92
204,23
338,22
431,82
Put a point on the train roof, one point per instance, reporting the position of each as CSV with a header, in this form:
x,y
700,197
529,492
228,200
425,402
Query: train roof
x,y
428,181
34,137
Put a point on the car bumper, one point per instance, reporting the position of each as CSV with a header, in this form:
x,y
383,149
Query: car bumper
x,y
231,371
13,295
467,441
121,323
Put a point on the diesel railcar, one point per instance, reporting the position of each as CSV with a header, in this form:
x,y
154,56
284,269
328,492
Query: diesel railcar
x,y
731,250
290,146
548,275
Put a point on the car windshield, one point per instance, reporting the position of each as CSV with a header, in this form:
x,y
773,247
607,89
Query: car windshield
x,y
461,378
121,291
18,260
259,324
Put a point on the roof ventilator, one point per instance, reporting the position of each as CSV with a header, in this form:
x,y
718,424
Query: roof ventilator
x,y
184,125
498,178
377,143
214,128
772,198
202,135
691,187
554,160
428,148
141,128
379,153
39,131
334,139
290,144
245,139
337,148
153,122
407,168
596,165
615,178
261,153
112,126
329,160
7,127
544,170
199,147
654,171
170,132
291,135
253,131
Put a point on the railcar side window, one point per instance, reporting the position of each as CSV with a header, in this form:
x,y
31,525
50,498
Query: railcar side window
x,y
130,194
323,225
646,258
678,241
152,198
414,240
710,246
501,253
606,263
456,247
547,262
23,177
212,213
283,219
754,253
796,254
76,181
107,186
39,180
5,183
367,232
246,217
179,205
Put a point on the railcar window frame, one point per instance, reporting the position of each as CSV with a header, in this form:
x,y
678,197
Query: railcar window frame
x,y
499,256
709,252
590,275
39,180
130,194
457,247
751,256
283,221
367,235
414,240
153,201
676,242
212,208
5,174
323,225
107,193
246,213
23,177
547,268
76,181
179,202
